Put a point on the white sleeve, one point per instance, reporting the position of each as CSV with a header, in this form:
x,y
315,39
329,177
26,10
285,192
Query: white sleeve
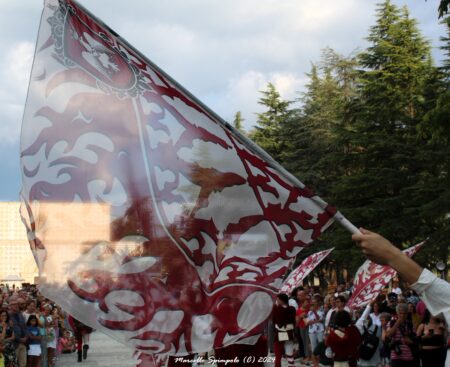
x,y
435,292
321,316
328,317
360,323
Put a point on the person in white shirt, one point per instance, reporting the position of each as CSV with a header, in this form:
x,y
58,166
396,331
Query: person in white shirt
x,y
293,299
363,325
395,288
314,322
339,306
375,314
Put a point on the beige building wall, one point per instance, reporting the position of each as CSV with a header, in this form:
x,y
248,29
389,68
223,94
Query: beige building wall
x,y
67,231
16,257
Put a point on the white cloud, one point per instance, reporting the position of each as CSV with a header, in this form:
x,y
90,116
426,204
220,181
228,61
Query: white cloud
x,y
224,52
244,91
15,67
19,60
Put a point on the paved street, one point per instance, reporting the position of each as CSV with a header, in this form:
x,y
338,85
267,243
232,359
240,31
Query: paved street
x,y
103,352
106,352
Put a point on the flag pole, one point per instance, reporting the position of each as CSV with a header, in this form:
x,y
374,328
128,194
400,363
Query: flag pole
x,y
249,143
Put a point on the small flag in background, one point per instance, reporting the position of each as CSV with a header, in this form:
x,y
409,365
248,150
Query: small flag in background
x,y
155,222
302,271
370,279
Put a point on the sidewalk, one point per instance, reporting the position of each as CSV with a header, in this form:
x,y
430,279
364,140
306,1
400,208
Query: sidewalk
x,y
106,352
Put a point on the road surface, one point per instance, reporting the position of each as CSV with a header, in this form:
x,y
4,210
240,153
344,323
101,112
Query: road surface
x,y
103,352
106,352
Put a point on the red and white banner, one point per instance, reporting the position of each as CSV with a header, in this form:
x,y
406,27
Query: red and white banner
x,y
370,279
296,277
149,218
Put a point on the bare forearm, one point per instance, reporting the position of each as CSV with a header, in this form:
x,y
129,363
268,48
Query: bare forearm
x,y
408,269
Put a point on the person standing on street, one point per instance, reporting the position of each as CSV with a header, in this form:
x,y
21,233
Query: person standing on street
x,y
283,317
20,330
314,321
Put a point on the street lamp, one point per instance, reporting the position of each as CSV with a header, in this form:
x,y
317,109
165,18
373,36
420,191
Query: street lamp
x,y
440,266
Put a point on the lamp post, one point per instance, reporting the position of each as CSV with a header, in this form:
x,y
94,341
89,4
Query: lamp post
x,y
440,266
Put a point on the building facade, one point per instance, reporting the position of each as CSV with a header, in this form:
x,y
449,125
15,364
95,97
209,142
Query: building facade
x,y
16,258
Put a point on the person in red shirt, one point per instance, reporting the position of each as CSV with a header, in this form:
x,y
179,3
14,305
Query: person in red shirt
x,y
302,313
283,318
344,340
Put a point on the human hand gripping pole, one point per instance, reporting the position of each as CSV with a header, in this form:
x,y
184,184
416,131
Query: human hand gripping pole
x,y
381,251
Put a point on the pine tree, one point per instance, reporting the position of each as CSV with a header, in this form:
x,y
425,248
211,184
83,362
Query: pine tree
x,y
383,139
238,122
433,188
443,7
394,68
301,151
310,136
313,142
446,49
269,123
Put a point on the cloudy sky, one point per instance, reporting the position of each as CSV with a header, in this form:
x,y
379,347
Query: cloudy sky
x,y
224,52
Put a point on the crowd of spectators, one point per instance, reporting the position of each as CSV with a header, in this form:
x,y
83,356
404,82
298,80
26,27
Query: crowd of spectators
x,y
395,330
33,330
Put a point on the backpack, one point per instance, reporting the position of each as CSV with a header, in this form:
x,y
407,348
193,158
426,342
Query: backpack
x,y
369,344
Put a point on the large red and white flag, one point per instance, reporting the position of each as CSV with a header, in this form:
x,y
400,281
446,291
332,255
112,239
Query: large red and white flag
x,y
371,278
150,219
296,277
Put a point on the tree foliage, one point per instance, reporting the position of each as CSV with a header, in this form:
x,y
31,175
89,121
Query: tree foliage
x,y
269,123
238,122
443,7
371,135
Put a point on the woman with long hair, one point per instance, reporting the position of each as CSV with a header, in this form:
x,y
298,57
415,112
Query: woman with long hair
x,y
414,316
314,321
400,337
433,336
375,314
7,340
34,342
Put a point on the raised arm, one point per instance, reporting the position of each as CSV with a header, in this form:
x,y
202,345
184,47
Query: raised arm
x,y
381,251
433,291
360,323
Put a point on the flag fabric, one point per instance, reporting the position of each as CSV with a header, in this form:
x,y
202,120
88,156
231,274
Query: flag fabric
x,y
371,278
302,271
149,217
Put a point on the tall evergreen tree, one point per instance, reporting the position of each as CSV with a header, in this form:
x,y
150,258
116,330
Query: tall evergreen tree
x,y
313,142
433,188
311,135
383,139
443,7
238,122
446,49
269,123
